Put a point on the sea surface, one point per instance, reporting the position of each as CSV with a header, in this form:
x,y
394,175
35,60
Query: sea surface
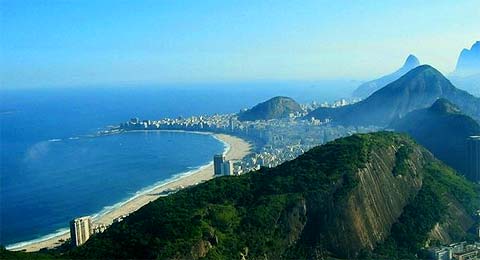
x,y
53,169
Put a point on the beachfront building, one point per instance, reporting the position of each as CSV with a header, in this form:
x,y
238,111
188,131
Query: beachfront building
x,y
80,230
218,161
97,229
222,166
227,168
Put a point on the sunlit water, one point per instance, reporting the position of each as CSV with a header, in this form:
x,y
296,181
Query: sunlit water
x,y
53,171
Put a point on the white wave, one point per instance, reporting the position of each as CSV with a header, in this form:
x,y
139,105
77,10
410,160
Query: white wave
x,y
226,146
40,239
149,189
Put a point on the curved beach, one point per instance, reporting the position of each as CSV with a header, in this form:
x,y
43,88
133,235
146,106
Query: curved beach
x,y
238,148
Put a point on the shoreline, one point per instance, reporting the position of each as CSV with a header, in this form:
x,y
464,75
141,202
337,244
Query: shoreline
x,y
235,149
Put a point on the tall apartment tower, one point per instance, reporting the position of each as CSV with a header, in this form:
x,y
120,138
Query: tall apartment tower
x,y
227,168
218,161
80,230
473,156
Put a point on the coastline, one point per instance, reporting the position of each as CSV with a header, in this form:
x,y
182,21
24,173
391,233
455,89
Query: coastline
x,y
236,149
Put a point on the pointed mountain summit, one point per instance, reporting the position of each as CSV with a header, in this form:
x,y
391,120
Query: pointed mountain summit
x,y
467,73
443,106
367,88
411,62
417,89
443,130
469,61
274,108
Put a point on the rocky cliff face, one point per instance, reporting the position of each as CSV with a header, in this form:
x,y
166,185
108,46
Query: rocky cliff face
x,y
376,203
453,227
388,183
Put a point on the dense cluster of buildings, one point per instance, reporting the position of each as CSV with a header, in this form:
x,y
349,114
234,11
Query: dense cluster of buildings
x,y
275,141
458,251
338,103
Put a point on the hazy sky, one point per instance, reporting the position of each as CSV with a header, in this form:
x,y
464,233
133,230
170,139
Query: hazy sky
x,y
62,43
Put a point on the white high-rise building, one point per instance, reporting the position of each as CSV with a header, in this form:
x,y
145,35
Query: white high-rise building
x,y
80,230
227,168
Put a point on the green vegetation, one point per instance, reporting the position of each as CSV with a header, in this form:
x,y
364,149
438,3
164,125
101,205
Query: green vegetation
x,y
428,208
402,158
228,215
410,233
265,213
274,108
291,211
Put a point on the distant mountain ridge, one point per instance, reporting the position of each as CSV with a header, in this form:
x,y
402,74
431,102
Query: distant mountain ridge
x,y
469,61
469,83
367,88
467,72
417,89
274,108
443,129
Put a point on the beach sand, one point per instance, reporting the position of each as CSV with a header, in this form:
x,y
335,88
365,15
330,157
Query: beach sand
x,y
238,149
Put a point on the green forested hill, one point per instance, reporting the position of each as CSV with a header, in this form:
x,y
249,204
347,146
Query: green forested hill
x,y
274,108
365,195
443,129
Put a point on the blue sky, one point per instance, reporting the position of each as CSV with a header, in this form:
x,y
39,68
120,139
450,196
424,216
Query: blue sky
x,y
65,43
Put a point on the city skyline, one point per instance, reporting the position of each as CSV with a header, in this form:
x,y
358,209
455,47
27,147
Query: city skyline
x,y
68,43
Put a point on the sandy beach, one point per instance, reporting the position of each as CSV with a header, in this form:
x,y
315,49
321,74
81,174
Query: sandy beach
x,y
238,149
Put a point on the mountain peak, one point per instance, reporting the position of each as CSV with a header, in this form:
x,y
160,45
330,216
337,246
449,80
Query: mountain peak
x,y
444,106
443,129
367,88
469,61
417,89
424,67
475,46
411,62
274,108
423,71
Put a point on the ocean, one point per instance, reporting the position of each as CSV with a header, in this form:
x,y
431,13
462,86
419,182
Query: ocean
x,y
52,169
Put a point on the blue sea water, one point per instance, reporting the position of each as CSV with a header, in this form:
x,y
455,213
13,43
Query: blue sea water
x,y
51,170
